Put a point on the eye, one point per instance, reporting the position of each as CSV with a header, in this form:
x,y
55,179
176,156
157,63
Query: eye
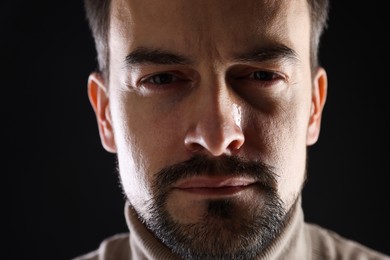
x,y
161,79
164,81
264,75
258,78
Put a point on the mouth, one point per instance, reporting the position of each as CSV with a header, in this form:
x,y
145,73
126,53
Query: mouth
x,y
214,186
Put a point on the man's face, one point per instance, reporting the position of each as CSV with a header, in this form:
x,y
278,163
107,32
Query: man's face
x,y
210,107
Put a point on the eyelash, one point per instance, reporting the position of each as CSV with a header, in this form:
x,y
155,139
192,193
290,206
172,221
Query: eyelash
x,y
167,78
270,76
160,79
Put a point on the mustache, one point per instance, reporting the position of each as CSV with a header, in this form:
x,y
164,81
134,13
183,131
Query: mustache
x,y
231,166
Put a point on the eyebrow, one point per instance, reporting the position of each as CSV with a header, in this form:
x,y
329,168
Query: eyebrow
x,y
278,52
155,56
144,55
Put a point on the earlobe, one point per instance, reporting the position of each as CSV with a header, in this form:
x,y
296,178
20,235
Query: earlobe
x,y
320,85
99,99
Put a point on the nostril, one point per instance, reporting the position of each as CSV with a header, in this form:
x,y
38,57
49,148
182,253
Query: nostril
x,y
194,146
215,147
236,144
214,139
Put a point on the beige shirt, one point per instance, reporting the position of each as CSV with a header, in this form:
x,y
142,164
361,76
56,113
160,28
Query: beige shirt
x,y
299,241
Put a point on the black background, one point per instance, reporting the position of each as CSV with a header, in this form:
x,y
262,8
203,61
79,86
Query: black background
x,y
61,195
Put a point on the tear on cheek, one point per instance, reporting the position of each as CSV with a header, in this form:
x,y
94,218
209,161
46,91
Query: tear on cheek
x,y
237,115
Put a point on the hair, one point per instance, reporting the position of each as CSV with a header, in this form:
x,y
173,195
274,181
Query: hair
x,y
319,14
98,16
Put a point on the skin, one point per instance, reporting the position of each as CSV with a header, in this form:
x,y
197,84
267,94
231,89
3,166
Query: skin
x,y
214,105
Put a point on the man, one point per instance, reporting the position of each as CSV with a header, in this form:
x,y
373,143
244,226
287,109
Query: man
x,y
210,107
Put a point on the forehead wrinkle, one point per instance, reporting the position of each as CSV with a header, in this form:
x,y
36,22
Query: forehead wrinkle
x,y
173,20
259,17
208,29
259,24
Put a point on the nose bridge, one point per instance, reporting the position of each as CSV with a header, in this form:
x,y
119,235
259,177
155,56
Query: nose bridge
x,y
217,126
219,109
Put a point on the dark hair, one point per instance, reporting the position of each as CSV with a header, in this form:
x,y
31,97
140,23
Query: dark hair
x,y
319,11
98,15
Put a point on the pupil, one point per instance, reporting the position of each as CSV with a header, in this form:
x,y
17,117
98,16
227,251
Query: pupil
x,y
163,79
261,75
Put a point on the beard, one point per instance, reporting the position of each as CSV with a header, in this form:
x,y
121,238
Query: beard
x,y
227,229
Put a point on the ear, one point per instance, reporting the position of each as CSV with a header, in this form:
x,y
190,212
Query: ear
x,y
318,99
99,98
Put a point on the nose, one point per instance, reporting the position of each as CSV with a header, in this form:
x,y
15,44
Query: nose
x,y
216,129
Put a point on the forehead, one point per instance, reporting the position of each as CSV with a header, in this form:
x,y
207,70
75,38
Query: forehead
x,y
209,26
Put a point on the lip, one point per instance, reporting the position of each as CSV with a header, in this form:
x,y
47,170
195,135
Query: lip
x,y
214,186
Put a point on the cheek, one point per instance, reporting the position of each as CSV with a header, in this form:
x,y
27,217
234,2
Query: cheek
x,y
292,174
146,142
279,138
130,149
157,134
